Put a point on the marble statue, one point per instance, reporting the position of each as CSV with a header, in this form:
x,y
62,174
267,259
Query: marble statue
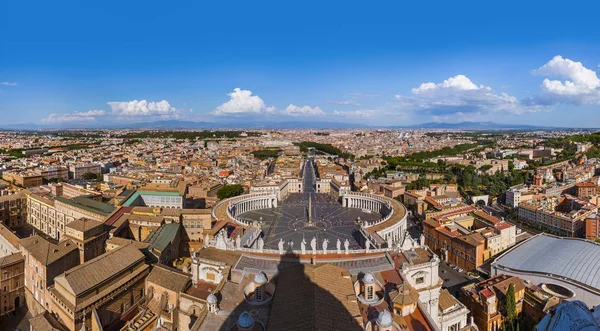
x,y
346,246
325,243
313,245
422,240
206,240
303,246
368,245
280,244
338,245
221,243
261,244
238,242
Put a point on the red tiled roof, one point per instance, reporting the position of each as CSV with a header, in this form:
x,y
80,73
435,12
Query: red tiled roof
x,y
487,217
114,217
503,225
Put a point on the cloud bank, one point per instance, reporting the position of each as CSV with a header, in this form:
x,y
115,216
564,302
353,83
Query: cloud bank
x,y
455,95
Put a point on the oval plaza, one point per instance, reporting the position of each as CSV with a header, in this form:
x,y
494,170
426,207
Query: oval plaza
x,y
309,215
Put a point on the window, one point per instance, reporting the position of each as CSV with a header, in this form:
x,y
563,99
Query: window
x,y
370,293
420,280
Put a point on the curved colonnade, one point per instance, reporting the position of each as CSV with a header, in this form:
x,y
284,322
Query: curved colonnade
x,y
390,228
232,207
392,224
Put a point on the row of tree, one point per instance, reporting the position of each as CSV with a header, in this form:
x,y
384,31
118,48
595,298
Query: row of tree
x,y
325,148
264,154
191,135
229,191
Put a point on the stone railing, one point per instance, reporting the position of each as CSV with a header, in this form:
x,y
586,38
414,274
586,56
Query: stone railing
x,y
308,251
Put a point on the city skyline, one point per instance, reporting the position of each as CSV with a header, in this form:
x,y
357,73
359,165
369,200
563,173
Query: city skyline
x,y
326,64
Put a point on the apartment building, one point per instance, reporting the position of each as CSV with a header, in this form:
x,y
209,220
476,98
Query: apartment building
x,y
487,300
592,227
563,216
454,242
76,171
23,178
54,172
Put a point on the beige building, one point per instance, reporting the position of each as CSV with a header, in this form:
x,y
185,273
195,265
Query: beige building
x,y
109,286
550,214
44,261
13,209
23,179
164,287
12,292
89,235
51,214
54,172
76,171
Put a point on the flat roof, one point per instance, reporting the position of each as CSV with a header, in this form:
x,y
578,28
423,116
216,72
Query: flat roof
x,y
88,204
137,194
575,259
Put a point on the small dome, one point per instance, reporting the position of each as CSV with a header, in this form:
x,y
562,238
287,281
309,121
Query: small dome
x,y
384,318
245,321
211,298
368,278
260,278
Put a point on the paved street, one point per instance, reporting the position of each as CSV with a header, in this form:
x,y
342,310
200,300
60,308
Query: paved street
x,y
454,280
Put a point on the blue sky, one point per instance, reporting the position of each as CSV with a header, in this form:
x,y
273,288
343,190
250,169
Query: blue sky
x,y
381,63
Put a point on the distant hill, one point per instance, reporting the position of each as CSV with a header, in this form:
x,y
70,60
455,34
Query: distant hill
x,y
247,125
478,126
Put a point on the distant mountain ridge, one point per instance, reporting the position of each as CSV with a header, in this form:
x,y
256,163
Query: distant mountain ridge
x,y
477,126
202,125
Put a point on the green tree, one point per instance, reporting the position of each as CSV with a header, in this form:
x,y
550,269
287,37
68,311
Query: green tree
x,y
229,191
511,305
89,176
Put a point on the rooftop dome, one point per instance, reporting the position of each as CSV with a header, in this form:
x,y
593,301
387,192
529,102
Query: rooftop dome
x,y
368,278
384,318
260,278
211,298
245,321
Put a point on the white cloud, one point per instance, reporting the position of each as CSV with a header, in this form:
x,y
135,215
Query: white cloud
x,y
360,113
293,110
345,103
581,85
161,109
76,116
242,102
9,84
458,82
456,95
